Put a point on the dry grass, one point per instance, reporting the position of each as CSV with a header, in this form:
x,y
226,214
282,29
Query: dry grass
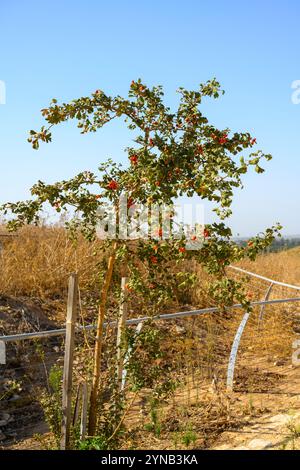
x,y
38,261
283,266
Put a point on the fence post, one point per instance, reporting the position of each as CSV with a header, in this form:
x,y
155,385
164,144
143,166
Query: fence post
x,y
121,326
267,296
127,357
2,352
68,361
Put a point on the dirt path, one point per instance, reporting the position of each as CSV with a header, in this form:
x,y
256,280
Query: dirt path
x,y
277,429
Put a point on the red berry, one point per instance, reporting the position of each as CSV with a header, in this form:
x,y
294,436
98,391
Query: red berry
x,y
113,185
130,202
134,159
199,150
153,259
151,142
159,232
206,233
223,139
182,249
194,238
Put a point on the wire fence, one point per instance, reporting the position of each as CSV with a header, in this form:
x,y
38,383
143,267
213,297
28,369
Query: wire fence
x,y
205,355
22,378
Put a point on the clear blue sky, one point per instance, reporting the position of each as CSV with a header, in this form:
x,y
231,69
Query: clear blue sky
x,y
66,49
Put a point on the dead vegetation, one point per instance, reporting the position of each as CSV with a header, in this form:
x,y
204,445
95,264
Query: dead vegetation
x,y
34,269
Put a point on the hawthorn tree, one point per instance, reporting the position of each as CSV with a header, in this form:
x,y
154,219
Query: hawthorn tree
x,y
173,154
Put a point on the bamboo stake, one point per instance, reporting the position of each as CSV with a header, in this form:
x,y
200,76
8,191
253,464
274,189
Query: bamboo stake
x,y
98,344
120,333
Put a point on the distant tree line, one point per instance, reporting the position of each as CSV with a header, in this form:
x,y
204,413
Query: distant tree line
x,y
279,244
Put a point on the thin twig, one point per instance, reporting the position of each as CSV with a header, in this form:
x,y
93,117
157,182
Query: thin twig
x,y
123,417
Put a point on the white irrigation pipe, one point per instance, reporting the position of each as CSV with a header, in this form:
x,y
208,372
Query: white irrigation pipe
x,y
258,276
240,330
234,351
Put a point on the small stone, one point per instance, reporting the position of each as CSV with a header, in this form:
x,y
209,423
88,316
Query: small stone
x,y
15,397
4,419
56,349
279,363
280,420
223,447
180,330
259,444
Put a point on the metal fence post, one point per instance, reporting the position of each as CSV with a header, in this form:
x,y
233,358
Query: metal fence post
x,y
68,361
263,307
84,410
2,352
120,332
127,356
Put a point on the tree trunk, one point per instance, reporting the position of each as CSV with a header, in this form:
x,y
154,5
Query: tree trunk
x,y
98,344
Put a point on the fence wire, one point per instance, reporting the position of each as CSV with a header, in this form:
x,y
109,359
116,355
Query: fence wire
x,y
173,397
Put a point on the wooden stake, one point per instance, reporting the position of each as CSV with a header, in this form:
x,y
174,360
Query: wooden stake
x,y
98,345
121,326
68,361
